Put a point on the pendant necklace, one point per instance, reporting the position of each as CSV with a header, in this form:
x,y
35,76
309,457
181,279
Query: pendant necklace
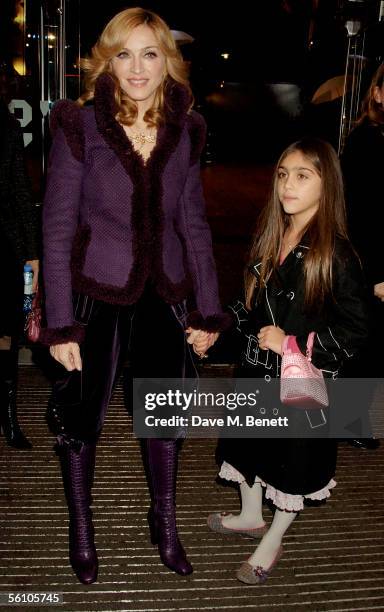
x,y
139,139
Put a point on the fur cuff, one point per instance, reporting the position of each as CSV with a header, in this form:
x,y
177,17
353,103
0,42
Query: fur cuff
x,y
212,323
62,335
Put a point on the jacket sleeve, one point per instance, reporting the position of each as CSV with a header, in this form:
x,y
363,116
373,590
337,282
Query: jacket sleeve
x,y
231,345
197,238
60,219
26,210
347,328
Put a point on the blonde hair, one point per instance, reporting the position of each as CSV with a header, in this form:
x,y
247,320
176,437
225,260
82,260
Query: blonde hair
x,y
327,222
370,109
111,41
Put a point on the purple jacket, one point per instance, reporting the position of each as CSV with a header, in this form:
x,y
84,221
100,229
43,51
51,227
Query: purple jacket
x,y
111,221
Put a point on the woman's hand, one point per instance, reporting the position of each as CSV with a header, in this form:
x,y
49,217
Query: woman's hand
x,y
201,340
67,354
271,337
34,263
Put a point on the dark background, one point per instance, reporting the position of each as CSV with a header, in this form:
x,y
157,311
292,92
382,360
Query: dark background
x,y
297,42
270,42
255,102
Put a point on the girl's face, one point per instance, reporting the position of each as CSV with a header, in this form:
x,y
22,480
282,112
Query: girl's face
x,y
140,66
298,187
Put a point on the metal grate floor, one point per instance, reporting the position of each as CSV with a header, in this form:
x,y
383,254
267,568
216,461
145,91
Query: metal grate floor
x,y
333,560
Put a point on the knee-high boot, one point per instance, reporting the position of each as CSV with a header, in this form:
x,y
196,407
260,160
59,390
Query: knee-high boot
x,y
78,468
162,468
8,407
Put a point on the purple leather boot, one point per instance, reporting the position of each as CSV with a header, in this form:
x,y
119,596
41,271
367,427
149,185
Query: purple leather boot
x,y
162,467
78,469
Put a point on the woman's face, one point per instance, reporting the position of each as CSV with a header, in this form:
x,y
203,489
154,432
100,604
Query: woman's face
x,y
298,186
140,66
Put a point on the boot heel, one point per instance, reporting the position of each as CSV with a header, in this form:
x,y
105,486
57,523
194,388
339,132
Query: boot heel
x,y
153,527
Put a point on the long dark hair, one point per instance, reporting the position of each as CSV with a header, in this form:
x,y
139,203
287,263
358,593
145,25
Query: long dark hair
x,y
370,109
322,229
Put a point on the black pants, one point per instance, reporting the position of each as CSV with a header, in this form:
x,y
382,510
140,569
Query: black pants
x,y
153,334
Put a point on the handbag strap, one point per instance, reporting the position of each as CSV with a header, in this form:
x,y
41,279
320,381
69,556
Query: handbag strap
x,y
290,345
310,341
287,345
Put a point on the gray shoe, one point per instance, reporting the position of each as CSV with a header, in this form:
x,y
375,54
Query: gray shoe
x,y
215,523
256,575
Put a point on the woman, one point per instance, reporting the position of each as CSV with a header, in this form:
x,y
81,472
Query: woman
x,y
363,163
126,243
18,245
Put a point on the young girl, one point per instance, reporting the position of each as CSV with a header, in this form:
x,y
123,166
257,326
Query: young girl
x,y
303,276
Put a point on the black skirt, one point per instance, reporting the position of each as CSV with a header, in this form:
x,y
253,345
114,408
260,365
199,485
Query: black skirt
x,y
297,466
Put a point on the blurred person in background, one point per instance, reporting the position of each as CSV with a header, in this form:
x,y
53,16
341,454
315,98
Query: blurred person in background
x,y
363,166
18,245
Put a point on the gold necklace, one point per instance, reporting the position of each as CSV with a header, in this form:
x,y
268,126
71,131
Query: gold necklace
x,y
140,138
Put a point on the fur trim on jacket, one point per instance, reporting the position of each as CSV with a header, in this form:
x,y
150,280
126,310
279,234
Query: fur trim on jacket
x,y
161,231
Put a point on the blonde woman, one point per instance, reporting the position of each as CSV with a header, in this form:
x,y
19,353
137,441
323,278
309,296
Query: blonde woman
x,y
126,243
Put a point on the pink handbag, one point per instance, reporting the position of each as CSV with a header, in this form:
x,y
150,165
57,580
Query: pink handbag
x,y
302,385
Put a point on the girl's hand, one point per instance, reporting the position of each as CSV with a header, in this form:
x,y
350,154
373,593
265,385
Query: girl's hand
x,y
201,340
34,263
67,354
271,337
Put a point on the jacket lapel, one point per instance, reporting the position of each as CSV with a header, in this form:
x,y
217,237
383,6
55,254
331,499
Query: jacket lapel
x,y
282,285
147,178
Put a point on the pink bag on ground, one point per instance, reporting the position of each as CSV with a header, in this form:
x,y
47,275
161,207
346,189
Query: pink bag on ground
x,y
302,385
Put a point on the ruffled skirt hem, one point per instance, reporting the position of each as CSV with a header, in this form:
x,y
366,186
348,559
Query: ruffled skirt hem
x,y
283,501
